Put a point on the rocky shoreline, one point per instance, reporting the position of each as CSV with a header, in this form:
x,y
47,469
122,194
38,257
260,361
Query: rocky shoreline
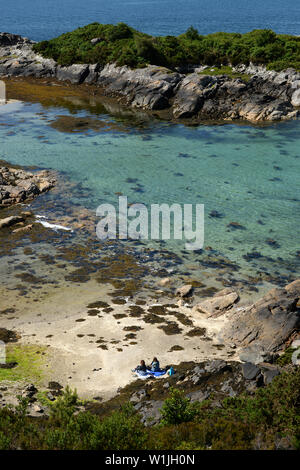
x,y
18,186
251,341
196,96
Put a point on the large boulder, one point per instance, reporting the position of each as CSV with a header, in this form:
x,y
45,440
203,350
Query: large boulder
x,y
191,94
75,74
218,304
268,323
295,100
149,88
255,354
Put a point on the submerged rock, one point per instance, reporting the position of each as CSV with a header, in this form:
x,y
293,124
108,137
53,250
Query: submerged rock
x,y
12,220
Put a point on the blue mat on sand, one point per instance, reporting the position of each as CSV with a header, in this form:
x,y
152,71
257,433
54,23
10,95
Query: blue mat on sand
x,y
158,373
151,374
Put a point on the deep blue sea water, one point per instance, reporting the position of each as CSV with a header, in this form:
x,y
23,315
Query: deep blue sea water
x,y
43,19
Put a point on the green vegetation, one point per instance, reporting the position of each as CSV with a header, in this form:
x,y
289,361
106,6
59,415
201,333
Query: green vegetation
x,y
126,46
29,360
261,421
225,70
286,357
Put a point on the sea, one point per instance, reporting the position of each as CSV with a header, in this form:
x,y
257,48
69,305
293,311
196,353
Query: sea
x,y
246,174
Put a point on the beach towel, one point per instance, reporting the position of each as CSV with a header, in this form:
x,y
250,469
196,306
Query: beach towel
x,y
150,374
159,373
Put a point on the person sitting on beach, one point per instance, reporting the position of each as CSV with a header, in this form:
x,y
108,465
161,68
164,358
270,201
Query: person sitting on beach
x,y
141,369
155,365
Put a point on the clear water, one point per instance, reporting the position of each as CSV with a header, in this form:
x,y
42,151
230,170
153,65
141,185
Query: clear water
x,y
248,174
43,19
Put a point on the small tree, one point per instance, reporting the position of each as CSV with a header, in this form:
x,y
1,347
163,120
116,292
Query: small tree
x,y
192,33
177,408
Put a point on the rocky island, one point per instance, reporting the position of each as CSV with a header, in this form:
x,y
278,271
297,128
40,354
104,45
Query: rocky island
x,y
178,92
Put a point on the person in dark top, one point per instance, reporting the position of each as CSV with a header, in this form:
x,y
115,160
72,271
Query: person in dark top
x,y
142,369
155,365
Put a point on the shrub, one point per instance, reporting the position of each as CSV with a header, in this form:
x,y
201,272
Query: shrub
x,y
177,408
126,46
260,421
286,357
192,33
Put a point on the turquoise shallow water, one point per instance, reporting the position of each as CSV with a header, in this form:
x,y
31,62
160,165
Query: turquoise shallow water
x,y
247,174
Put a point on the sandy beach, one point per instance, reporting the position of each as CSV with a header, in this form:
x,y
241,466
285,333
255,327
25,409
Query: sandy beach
x,y
90,351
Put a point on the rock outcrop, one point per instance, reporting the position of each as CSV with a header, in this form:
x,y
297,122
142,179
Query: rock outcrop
x,y
218,304
17,185
267,324
267,96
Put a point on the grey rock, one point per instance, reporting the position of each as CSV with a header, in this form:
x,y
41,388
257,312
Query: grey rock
x,y
215,366
75,74
250,371
150,412
191,93
148,88
296,344
138,406
228,390
93,74
29,391
255,354
17,185
198,396
37,408
295,100
95,41
269,372
138,396
199,370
